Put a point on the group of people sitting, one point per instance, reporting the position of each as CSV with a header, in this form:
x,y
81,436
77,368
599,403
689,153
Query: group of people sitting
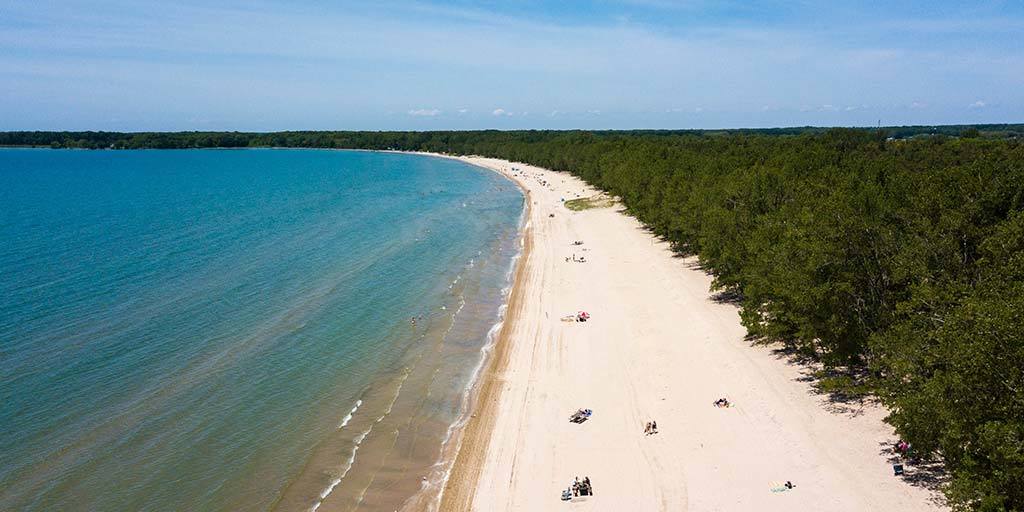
x,y
581,259
902,447
578,488
581,316
651,428
580,415
722,402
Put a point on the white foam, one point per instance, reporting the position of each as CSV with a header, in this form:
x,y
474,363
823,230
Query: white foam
x,y
348,417
351,462
357,441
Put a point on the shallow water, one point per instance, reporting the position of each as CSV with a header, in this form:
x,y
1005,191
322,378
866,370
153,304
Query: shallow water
x,y
227,330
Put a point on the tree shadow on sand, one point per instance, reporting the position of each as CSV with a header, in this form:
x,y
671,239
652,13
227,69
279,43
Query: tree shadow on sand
x,y
731,297
841,390
927,473
678,252
851,398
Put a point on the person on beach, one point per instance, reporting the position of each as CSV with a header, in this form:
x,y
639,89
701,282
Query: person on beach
x,y
647,429
654,427
902,448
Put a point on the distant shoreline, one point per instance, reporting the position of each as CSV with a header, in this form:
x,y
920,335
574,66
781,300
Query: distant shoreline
x,y
436,140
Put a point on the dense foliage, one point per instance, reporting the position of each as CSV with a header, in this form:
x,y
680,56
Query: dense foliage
x,y
438,141
897,262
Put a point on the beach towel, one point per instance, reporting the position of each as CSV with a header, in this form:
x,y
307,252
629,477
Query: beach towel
x,y
779,487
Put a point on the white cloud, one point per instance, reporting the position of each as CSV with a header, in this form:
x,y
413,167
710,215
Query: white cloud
x,y
977,104
463,110
554,113
918,105
594,112
425,112
501,112
698,110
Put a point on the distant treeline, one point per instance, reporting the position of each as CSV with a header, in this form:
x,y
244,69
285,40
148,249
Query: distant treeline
x,y
895,257
393,140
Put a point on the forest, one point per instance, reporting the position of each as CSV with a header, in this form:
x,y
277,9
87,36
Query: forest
x,y
894,257
438,141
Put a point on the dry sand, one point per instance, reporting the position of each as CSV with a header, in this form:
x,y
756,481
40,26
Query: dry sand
x,y
658,347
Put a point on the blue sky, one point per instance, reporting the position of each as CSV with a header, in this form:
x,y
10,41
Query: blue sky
x,y
424,65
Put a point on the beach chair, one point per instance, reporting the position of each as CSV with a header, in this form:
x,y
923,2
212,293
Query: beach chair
x,y
566,495
897,469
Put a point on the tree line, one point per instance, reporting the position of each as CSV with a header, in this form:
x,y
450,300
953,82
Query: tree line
x,y
433,140
895,261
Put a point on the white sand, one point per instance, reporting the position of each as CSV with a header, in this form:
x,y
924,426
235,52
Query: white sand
x,y
657,348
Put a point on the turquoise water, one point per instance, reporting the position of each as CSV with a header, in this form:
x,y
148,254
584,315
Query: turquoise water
x,y
189,330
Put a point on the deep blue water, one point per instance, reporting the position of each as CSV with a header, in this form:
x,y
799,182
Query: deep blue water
x,y
183,330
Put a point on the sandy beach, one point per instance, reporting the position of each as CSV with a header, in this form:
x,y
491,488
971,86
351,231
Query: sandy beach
x,y
658,347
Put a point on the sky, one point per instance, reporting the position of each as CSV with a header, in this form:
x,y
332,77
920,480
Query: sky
x,y
258,65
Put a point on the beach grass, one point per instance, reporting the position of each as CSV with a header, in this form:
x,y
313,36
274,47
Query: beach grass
x,y
587,203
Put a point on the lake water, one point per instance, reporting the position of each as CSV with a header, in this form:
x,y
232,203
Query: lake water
x,y
234,329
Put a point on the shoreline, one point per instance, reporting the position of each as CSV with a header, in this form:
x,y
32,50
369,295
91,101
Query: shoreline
x,y
475,435
423,461
469,433
516,450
